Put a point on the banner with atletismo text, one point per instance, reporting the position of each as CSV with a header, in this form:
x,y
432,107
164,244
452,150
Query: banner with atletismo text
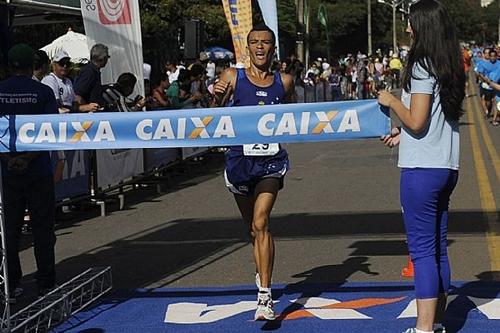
x,y
213,127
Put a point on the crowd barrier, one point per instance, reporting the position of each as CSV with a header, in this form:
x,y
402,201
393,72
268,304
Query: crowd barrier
x,y
80,174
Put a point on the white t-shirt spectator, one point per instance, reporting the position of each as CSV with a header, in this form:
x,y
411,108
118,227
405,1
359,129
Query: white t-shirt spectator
x,y
173,76
211,70
147,71
63,89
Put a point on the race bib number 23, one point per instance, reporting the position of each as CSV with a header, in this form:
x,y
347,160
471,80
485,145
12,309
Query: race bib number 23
x,y
261,149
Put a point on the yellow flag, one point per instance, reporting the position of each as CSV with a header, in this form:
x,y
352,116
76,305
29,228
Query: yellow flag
x,y
239,17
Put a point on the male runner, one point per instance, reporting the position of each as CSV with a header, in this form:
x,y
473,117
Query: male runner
x,y
484,69
254,172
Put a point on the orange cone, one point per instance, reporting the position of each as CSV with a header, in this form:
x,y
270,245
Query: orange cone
x,y
408,270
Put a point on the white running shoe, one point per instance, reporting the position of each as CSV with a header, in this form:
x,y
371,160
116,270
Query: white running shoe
x,y
264,307
439,330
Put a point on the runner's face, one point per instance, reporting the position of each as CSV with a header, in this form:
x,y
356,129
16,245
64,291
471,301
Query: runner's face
x,y
261,48
493,57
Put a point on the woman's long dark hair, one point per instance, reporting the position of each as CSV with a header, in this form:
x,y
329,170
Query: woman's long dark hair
x,y
435,47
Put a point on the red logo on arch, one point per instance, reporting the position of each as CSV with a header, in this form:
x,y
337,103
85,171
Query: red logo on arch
x,y
114,11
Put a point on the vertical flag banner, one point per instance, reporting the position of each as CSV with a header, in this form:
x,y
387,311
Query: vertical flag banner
x,y
239,17
323,20
270,13
116,24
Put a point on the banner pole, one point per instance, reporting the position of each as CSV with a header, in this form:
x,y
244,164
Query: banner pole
x,y
5,324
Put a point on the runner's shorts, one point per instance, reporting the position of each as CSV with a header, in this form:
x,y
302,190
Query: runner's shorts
x,y
488,94
243,173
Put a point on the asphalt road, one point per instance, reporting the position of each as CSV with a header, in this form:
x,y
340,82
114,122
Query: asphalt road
x,y
337,219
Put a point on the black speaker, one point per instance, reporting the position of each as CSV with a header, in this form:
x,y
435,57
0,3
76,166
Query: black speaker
x,y
193,38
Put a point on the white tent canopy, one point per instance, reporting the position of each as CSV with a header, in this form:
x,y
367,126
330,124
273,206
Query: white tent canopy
x,y
72,42
56,6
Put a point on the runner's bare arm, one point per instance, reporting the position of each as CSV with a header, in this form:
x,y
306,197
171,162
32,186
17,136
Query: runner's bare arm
x,y
224,88
289,86
493,84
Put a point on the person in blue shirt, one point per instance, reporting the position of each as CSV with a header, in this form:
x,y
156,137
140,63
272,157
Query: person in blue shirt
x,y
493,80
27,177
431,104
255,172
485,68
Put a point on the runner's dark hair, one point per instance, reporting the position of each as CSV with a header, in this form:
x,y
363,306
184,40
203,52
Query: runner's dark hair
x,y
436,49
261,27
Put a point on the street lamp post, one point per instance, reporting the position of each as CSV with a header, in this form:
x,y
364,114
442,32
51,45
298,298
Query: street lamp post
x,y
394,4
369,10
300,38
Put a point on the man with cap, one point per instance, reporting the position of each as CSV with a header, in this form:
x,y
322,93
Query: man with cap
x,y
59,82
27,177
88,86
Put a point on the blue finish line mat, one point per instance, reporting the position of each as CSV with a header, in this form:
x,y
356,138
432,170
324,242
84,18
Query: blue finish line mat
x,y
350,307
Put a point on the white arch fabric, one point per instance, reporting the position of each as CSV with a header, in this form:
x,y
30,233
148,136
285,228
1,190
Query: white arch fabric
x,y
116,24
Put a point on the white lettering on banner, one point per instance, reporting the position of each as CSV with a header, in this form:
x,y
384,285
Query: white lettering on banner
x,y
28,133
350,122
319,307
83,137
200,124
199,313
411,310
287,124
23,133
224,128
104,132
323,118
140,129
304,122
489,307
62,132
46,134
316,306
164,130
262,125
181,128
145,130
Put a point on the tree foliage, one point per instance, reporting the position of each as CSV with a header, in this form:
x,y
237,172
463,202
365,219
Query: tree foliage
x,y
163,21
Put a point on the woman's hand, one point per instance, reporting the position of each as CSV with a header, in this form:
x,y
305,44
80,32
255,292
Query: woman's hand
x,y
386,98
392,140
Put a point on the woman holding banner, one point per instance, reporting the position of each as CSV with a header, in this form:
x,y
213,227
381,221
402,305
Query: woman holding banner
x,y
430,106
255,172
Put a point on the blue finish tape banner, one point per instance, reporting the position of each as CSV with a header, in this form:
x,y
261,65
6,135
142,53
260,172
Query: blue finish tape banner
x,y
214,127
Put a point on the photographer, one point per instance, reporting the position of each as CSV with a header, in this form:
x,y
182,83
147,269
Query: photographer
x,y
117,95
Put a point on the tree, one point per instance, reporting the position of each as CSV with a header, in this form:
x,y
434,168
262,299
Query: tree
x,y
347,21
